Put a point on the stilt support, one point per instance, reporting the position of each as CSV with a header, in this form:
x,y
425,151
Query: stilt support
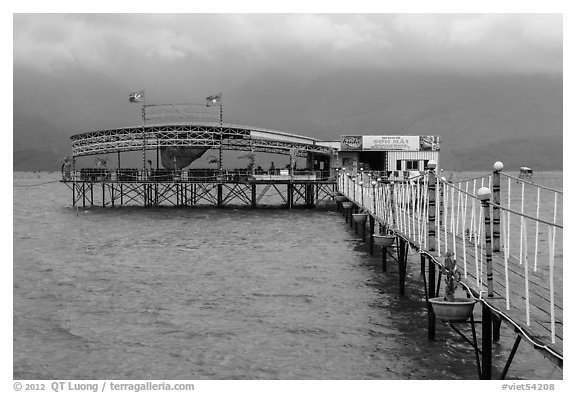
x,y
486,342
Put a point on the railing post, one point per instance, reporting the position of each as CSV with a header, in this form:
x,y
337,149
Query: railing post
x,y
431,247
392,210
374,197
431,206
484,195
498,166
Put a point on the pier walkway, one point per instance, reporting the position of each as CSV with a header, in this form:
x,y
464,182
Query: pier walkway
x,y
505,234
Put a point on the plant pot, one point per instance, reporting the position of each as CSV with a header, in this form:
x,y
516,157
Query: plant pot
x,y
457,311
347,205
384,240
340,198
360,218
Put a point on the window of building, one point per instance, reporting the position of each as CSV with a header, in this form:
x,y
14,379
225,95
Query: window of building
x,y
398,165
412,165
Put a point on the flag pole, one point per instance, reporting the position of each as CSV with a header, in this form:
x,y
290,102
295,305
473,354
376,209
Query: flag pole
x,y
144,133
221,131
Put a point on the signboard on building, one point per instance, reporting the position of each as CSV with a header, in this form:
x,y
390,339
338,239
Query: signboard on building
x,y
429,142
390,143
351,143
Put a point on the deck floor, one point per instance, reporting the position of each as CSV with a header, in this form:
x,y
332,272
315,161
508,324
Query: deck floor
x,y
539,329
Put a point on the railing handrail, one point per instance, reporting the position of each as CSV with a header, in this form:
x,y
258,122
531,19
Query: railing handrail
x,y
531,183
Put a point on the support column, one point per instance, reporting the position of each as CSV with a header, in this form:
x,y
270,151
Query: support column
x,y
402,262
486,342
289,195
384,258
219,194
496,323
313,194
431,294
350,211
253,199
186,194
371,235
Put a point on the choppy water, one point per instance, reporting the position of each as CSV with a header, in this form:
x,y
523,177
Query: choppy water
x,y
169,293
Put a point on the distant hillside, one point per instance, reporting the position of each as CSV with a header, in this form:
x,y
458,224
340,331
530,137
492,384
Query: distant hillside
x,y
37,160
538,153
478,117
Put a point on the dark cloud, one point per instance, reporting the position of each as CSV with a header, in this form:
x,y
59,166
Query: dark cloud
x,y
470,78
509,43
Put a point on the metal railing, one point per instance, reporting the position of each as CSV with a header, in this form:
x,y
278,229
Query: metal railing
x,y
468,219
191,175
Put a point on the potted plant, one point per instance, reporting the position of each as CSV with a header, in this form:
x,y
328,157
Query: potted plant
x,y
360,217
384,240
347,205
448,307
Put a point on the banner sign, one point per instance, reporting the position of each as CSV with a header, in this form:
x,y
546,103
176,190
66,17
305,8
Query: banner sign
x,y
391,142
429,142
351,143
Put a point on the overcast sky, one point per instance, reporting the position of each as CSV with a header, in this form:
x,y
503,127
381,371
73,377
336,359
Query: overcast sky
x,y
73,72
232,46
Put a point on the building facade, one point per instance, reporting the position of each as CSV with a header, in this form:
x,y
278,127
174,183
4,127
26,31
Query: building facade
x,y
393,155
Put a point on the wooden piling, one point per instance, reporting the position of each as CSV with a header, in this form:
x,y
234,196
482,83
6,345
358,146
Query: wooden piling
x,y
253,196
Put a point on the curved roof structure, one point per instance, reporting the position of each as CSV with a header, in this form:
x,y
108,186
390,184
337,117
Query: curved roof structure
x,y
197,134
